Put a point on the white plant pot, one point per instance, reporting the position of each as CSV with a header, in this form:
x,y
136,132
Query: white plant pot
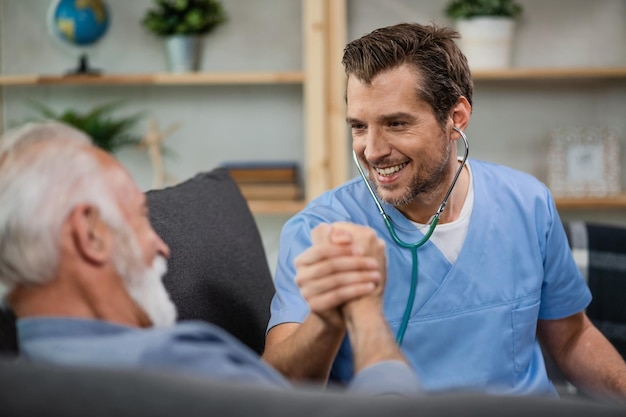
x,y
183,53
487,42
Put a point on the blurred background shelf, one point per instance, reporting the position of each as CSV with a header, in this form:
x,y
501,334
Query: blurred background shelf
x,y
539,74
562,203
196,78
293,77
276,206
585,203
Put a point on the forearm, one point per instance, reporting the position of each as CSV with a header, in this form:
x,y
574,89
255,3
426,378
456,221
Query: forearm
x,y
591,363
330,274
304,352
370,338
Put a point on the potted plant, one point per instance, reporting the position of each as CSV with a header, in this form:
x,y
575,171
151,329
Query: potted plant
x,y
486,28
183,24
107,132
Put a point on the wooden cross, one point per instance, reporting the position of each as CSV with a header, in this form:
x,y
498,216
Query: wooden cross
x,y
153,142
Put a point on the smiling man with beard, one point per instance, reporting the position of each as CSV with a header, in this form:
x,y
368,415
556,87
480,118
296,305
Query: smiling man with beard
x,y
472,289
84,268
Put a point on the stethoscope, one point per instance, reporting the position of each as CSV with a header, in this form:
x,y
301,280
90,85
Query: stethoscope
x,y
413,246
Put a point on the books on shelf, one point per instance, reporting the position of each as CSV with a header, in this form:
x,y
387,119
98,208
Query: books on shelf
x,y
263,172
266,180
276,191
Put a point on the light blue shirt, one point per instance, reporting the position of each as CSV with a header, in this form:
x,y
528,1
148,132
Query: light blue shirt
x,y
192,348
473,323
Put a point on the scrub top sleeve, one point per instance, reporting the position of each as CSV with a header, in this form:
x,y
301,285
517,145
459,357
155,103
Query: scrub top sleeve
x,y
386,378
287,304
564,291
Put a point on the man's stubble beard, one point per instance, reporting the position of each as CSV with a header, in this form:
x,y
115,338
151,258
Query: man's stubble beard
x,y
418,186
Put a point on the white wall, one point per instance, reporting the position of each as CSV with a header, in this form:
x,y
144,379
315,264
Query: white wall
x,y
510,123
219,123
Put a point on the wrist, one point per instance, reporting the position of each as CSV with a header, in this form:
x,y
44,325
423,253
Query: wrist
x,y
329,323
362,309
371,339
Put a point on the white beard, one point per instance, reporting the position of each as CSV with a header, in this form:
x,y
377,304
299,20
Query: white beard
x,y
147,289
144,284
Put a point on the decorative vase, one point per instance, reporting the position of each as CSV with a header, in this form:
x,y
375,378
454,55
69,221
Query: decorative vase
x,y
183,53
487,41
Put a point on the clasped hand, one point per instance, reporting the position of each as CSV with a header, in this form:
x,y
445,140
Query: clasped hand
x,y
344,271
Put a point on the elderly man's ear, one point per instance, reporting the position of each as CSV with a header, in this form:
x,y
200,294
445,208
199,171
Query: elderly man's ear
x,y
91,236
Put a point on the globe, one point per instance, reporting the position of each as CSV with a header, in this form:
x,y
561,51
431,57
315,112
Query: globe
x,y
78,24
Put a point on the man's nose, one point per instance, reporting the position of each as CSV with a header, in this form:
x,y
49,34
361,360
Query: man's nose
x,y
376,145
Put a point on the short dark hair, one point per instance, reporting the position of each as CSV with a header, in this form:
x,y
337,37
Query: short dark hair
x,y
429,49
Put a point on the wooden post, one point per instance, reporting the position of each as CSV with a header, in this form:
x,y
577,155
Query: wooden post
x,y
315,93
338,138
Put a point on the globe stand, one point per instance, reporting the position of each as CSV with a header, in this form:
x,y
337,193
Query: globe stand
x,y
83,67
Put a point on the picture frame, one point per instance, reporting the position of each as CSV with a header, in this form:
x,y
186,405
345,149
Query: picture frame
x,y
584,162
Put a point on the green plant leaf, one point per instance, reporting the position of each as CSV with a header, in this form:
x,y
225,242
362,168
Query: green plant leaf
x,y
467,9
107,132
184,17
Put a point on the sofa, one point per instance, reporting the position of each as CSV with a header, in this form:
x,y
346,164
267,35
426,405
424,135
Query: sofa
x,y
218,272
39,390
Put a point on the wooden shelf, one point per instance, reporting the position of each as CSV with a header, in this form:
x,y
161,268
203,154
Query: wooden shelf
x,y
293,77
196,78
275,206
539,74
591,203
562,203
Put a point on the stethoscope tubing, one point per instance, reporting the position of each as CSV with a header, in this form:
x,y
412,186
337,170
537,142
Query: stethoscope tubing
x,y
434,220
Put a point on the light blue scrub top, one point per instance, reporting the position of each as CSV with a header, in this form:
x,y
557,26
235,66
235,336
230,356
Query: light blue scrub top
x,y
473,324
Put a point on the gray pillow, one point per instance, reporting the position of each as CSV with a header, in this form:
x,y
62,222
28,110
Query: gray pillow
x,y
218,270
